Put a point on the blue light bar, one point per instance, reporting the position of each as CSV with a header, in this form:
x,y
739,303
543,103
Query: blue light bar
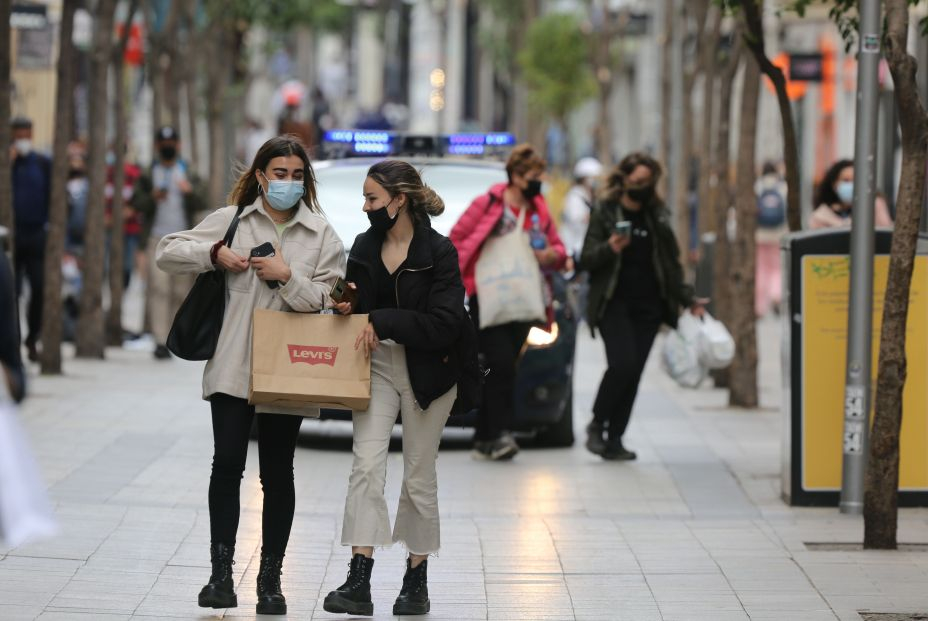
x,y
347,136
492,139
466,149
372,147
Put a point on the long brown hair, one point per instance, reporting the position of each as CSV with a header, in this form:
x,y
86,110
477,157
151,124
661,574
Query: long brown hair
x,y
247,189
398,177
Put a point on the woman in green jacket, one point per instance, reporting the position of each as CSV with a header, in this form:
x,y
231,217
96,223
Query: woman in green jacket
x,y
636,284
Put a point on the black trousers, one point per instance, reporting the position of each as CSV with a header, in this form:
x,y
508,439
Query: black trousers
x,y
499,348
628,332
277,435
30,265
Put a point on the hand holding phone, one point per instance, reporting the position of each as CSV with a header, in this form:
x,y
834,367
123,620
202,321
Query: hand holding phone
x,y
623,228
265,250
344,292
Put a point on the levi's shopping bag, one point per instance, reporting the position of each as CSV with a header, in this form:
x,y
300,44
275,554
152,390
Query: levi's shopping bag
x,y
299,359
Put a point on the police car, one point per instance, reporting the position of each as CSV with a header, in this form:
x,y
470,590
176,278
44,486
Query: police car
x,y
459,167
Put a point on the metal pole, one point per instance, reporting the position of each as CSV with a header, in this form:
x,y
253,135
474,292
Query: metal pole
x,y
857,396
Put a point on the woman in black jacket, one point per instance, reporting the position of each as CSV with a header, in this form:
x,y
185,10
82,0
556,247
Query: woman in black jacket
x,y
406,278
636,284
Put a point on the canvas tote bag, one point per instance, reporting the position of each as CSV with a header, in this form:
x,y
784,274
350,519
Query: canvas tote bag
x,y
510,286
300,359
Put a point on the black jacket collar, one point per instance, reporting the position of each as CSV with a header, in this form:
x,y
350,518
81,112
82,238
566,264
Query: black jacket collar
x,y
367,247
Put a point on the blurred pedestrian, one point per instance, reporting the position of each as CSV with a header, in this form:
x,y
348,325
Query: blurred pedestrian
x,y
490,216
770,190
132,223
834,199
277,199
636,284
166,212
415,323
77,189
25,512
577,206
31,182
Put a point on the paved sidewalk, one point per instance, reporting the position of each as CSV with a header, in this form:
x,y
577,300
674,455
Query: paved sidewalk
x,y
694,529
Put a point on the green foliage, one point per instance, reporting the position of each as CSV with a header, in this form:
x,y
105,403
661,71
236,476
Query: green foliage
x,y
283,15
555,64
498,35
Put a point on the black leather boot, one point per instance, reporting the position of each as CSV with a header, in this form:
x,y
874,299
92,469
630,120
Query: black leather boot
x,y
270,600
220,592
414,596
353,597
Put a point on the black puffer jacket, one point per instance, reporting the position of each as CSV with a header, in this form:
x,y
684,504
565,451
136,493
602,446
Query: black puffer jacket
x,y
429,318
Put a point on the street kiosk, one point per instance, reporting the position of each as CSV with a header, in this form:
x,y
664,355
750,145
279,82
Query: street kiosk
x,y
816,276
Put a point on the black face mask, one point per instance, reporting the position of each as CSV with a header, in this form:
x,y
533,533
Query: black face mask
x,y
168,152
380,219
533,189
642,194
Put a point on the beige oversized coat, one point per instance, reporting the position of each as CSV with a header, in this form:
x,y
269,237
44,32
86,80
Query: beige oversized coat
x,y
310,247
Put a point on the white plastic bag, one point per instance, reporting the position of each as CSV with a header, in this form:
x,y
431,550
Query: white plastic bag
x,y
510,286
716,345
680,353
25,512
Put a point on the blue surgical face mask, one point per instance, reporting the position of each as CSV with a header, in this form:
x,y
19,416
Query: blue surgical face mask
x,y
845,191
283,195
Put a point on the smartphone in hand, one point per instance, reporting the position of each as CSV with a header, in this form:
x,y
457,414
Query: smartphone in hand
x,y
265,250
623,228
342,292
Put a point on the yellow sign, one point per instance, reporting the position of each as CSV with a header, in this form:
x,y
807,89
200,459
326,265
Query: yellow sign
x,y
825,284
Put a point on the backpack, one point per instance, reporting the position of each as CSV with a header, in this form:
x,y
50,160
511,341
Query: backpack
x,y
771,209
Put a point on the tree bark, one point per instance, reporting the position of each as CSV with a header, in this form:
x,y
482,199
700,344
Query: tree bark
x,y
50,356
666,88
603,72
709,61
743,372
192,51
6,182
217,84
90,335
755,42
882,479
117,231
721,197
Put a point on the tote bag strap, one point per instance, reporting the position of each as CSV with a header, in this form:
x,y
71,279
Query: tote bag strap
x,y
233,226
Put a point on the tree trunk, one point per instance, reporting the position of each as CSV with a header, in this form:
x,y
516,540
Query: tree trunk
x,y
6,182
50,356
217,84
602,68
709,60
117,232
882,482
192,51
743,372
721,199
666,88
90,336
755,41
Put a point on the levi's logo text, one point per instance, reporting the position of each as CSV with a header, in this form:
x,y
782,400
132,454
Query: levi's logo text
x,y
312,355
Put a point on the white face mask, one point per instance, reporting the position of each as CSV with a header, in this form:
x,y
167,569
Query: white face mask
x,y
23,146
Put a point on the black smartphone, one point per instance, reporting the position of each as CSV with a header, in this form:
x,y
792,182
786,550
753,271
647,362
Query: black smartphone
x,y
342,292
265,250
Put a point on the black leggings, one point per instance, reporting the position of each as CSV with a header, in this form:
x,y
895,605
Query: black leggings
x,y
628,333
277,435
499,347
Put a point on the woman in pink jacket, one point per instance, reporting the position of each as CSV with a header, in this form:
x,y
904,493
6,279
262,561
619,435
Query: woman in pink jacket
x,y
492,214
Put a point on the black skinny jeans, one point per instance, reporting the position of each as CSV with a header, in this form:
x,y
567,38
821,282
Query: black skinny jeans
x,y
277,435
30,265
499,348
628,332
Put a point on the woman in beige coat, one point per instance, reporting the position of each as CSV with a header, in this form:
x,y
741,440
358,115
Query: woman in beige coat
x,y
277,199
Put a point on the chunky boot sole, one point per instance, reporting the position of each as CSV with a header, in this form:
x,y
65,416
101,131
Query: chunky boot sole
x,y
213,598
411,608
271,608
337,603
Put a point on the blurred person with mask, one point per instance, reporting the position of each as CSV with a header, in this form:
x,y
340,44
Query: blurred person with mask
x,y
489,216
577,206
636,284
167,213
31,182
834,199
770,190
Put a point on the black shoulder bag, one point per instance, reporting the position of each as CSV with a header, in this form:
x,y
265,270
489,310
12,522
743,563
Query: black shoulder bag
x,y
195,331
